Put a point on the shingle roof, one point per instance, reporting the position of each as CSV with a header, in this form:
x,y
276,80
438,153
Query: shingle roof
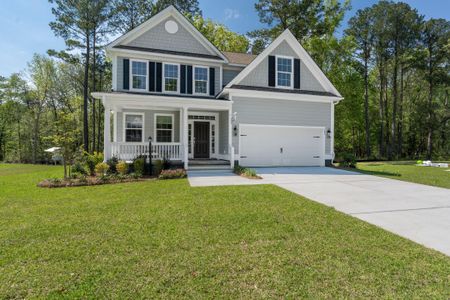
x,y
271,89
239,58
168,52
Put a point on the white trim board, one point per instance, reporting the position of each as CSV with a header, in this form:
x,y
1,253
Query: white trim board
x,y
302,54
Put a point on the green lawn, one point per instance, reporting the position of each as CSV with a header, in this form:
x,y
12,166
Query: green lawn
x,y
164,239
408,171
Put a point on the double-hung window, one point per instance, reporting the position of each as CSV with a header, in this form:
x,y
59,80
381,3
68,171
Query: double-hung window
x,y
171,78
134,124
164,128
200,80
138,75
284,72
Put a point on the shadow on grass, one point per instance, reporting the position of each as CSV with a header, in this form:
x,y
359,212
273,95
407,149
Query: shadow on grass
x,y
379,173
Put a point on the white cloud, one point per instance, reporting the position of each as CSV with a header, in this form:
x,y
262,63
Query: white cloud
x,y
231,14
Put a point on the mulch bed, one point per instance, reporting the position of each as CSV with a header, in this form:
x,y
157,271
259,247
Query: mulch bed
x,y
89,181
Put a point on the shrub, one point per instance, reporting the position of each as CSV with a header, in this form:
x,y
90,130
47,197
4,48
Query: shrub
x,y
348,160
250,173
122,167
112,163
139,166
157,167
165,164
101,169
172,174
92,160
78,168
246,172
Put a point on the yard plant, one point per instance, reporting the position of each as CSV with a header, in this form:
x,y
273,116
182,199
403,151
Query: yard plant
x,y
164,239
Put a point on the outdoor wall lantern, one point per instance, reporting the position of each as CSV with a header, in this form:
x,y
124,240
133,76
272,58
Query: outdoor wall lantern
x,y
329,133
235,130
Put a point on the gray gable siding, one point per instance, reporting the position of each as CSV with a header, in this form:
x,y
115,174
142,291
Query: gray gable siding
x,y
229,75
282,112
158,38
259,75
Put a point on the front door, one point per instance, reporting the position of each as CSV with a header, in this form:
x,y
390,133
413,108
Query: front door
x,y
201,139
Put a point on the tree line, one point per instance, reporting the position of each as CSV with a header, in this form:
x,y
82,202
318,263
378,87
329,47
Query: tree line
x,y
390,64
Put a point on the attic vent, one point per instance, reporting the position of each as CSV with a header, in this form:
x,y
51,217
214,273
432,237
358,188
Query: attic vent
x,y
171,27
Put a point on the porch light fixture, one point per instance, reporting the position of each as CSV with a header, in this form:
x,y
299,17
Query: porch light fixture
x,y
329,133
235,130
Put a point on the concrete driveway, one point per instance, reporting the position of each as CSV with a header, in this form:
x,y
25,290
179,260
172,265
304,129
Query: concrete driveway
x,y
418,212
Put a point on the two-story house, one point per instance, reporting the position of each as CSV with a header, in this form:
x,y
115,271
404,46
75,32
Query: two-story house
x,y
197,103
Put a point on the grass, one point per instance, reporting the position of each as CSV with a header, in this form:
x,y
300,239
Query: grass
x,y
407,171
164,239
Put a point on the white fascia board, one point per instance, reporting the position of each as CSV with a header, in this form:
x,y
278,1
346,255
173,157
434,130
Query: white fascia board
x,y
278,96
162,56
123,100
301,53
158,18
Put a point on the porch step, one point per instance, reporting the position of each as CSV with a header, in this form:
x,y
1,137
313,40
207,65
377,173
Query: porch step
x,y
208,167
208,162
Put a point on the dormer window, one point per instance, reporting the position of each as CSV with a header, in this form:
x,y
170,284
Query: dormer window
x,y
284,72
138,75
171,82
200,80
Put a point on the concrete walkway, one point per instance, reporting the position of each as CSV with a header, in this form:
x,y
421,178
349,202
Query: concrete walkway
x,y
418,212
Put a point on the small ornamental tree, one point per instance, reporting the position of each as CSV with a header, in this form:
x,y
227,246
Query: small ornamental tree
x,y
66,137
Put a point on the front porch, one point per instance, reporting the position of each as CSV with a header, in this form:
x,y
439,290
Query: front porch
x,y
181,130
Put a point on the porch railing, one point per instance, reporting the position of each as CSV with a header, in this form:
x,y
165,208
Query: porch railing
x,y
129,151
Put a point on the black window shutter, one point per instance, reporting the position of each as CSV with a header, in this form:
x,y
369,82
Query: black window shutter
x,y
151,78
158,87
126,74
271,70
183,79
212,81
296,73
189,79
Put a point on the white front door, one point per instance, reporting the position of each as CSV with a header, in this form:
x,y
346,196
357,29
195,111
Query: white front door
x,y
270,145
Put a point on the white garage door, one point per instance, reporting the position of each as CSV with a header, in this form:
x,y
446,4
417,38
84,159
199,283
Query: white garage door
x,y
266,145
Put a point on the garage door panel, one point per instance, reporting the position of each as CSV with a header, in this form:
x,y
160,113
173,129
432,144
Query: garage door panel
x,y
263,145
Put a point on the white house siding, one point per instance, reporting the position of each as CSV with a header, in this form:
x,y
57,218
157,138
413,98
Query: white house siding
x,y
259,75
149,123
281,112
159,38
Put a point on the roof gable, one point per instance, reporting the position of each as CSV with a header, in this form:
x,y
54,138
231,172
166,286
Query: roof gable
x,y
286,44
153,34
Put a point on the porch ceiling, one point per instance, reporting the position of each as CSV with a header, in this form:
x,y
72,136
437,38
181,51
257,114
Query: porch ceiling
x,y
145,101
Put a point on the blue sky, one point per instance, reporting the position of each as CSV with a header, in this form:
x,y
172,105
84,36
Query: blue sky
x,y
24,26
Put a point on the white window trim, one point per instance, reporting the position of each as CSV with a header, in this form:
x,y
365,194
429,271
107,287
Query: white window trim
x,y
164,78
292,72
131,75
125,125
155,129
207,80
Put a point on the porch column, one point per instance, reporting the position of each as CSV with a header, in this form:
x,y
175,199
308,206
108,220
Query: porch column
x,y
230,137
185,137
107,132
